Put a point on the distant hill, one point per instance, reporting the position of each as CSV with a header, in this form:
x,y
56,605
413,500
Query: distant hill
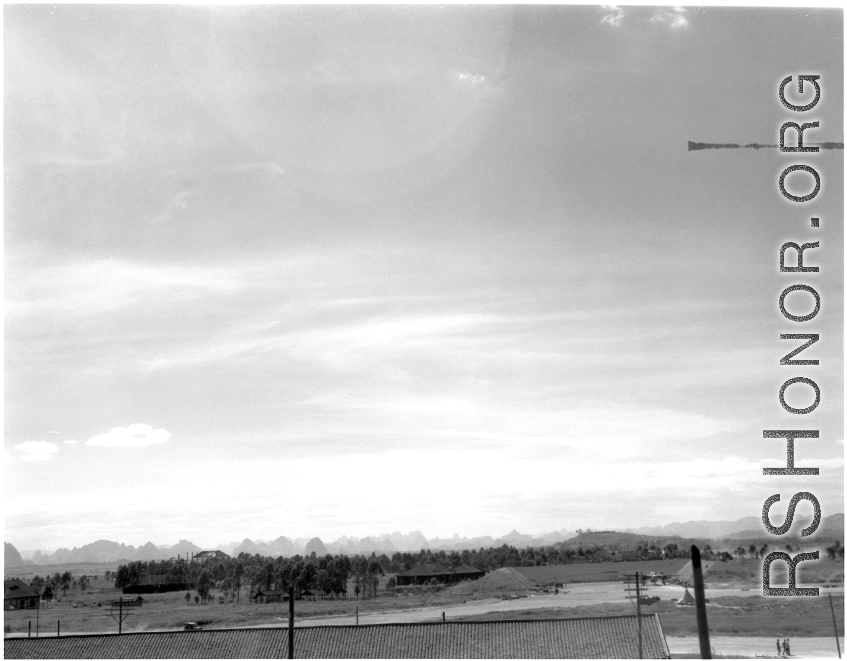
x,y
830,526
514,538
603,537
702,529
11,557
108,551
315,546
748,527
104,550
281,546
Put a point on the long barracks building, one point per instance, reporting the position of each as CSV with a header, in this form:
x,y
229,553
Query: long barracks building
x,y
596,637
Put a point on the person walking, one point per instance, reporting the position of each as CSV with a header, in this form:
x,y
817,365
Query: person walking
x,y
778,648
786,647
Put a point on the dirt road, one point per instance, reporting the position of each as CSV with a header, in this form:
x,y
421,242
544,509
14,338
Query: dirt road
x,y
746,646
578,594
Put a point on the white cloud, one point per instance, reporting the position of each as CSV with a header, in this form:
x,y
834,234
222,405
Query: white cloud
x,y
37,447
134,436
613,15
465,77
36,450
673,17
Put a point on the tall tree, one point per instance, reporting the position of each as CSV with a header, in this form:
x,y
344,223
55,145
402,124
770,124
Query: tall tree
x,y
204,584
238,572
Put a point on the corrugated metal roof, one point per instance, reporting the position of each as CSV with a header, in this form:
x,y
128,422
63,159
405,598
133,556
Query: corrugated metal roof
x,y
17,589
439,570
596,638
200,555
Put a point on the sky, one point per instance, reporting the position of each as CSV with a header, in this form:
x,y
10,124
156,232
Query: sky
x,y
325,271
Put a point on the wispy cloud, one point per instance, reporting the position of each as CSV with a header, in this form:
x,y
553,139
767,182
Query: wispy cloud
x,y
134,436
673,17
466,77
612,15
83,287
267,167
36,450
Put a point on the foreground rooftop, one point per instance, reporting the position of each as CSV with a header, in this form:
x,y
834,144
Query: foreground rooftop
x,y
596,637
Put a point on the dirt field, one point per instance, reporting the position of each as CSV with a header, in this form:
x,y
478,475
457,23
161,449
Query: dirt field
x,y
79,613
735,609
752,647
730,612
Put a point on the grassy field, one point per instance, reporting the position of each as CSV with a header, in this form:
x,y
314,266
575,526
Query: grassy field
x,y
728,616
599,571
749,573
78,612
747,615
26,572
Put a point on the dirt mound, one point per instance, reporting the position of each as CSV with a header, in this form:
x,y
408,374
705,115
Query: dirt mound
x,y
504,580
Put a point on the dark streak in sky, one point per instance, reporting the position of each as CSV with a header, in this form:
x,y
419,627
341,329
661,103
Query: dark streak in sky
x,y
694,146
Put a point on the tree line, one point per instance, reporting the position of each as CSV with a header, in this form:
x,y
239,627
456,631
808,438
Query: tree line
x,y
329,573
332,573
50,585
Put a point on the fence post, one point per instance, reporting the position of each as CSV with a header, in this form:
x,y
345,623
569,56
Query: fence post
x,y
290,622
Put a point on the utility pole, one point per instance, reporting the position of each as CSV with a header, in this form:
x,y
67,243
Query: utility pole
x,y
638,614
291,622
121,616
700,602
637,590
835,625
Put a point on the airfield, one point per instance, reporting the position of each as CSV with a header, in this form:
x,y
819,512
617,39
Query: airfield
x,y
742,623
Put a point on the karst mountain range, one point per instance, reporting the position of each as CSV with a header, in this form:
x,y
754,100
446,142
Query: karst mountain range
x,y
109,551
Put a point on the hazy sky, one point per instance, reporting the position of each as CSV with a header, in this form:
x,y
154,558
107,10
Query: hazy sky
x,y
348,270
